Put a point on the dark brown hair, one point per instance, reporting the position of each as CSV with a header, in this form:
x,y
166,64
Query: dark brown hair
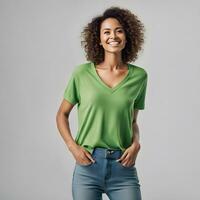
x,y
134,31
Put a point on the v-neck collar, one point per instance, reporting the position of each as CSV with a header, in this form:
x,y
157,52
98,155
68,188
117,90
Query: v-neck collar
x,y
104,84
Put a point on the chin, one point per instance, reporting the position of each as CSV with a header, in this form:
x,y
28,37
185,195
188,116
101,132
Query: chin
x,y
113,50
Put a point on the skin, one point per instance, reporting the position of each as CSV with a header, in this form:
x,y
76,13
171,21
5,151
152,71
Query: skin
x,y
129,156
112,70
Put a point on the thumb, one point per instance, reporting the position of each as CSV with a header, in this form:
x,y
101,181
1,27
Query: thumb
x,y
122,157
90,156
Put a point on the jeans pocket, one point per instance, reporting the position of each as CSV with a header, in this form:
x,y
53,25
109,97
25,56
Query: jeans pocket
x,y
86,165
131,166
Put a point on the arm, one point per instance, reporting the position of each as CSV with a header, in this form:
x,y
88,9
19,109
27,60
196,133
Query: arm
x,y
62,120
136,136
129,156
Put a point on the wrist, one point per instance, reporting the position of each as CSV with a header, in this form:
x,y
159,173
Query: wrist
x,y
71,145
136,144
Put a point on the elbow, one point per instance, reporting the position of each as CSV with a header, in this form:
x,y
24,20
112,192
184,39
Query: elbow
x,y
57,118
60,115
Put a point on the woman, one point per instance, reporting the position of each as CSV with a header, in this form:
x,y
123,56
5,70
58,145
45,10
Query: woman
x,y
109,92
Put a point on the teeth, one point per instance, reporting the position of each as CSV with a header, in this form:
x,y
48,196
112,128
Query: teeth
x,y
114,43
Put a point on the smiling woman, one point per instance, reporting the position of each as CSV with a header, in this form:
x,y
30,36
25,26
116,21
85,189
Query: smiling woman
x,y
109,91
129,24
112,35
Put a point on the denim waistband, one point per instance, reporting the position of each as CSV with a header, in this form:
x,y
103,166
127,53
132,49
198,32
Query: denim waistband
x,y
107,153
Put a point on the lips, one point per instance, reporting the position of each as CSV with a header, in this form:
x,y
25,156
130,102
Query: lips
x,y
114,42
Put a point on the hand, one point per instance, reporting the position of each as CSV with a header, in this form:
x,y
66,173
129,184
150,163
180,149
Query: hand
x,y
81,156
128,158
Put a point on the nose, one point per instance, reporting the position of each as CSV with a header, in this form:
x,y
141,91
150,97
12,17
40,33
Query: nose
x,y
113,35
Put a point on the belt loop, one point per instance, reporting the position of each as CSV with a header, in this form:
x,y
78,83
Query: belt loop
x,y
106,152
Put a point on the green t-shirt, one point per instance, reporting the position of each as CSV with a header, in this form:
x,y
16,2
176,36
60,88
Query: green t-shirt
x,y
105,114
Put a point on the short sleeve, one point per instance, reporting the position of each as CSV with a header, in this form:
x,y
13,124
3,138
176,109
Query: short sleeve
x,y
140,99
71,90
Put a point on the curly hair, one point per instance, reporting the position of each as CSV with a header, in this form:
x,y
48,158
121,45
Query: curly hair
x,y
134,32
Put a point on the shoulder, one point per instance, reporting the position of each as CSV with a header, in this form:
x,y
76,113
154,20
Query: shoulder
x,y
80,69
139,71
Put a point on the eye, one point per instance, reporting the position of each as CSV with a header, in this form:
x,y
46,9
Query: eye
x,y
106,32
120,31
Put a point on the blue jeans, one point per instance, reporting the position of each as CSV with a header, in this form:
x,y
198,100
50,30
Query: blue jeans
x,y
106,175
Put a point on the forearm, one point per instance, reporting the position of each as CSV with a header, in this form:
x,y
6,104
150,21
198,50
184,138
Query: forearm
x,y
136,135
64,129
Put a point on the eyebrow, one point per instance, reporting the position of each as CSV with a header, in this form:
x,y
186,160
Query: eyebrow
x,y
120,27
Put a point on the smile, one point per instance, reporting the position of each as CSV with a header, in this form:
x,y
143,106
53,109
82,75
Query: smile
x,y
114,43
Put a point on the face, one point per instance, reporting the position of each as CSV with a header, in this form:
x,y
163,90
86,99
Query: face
x,y
112,35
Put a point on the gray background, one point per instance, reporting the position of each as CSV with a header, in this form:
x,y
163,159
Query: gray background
x,y
39,47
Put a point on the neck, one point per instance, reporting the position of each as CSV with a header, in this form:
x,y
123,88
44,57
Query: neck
x,y
112,61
